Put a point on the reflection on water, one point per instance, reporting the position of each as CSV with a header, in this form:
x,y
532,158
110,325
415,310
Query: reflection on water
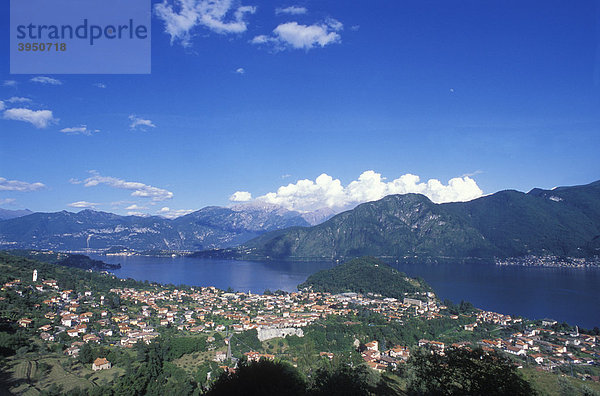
x,y
570,295
239,275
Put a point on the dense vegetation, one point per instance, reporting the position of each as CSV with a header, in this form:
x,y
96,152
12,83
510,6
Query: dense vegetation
x,y
364,275
464,372
65,259
563,221
15,267
458,372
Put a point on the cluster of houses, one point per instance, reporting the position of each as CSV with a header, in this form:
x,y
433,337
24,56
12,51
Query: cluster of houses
x,y
550,261
210,309
383,360
549,348
87,318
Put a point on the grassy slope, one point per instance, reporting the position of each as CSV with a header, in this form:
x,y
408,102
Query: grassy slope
x,y
547,383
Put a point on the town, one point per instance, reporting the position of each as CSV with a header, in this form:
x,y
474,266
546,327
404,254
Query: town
x,y
550,261
126,316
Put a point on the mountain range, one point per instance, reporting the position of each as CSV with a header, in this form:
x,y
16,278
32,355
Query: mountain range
x,y
564,221
208,228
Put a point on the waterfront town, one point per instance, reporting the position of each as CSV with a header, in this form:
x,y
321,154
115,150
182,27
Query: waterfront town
x,y
142,314
550,261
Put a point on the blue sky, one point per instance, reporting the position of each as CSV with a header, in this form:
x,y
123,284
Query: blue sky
x,y
507,92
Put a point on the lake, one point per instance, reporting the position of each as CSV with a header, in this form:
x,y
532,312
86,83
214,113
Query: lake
x,y
571,295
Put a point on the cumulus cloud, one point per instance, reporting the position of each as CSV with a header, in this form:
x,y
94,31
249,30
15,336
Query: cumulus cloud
x,y
291,10
80,130
46,80
240,70
1,105
173,213
240,196
17,185
327,192
140,190
100,85
140,123
38,118
10,83
83,205
18,99
297,36
220,16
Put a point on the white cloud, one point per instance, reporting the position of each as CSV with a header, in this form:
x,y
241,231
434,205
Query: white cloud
x,y
475,173
18,99
173,213
16,185
260,39
83,204
240,196
46,80
136,207
334,24
7,201
240,70
140,123
39,118
10,83
291,10
327,192
297,36
80,130
219,16
1,105
140,190
100,85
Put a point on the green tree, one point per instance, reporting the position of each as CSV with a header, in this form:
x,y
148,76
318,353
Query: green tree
x,y
260,378
344,380
86,354
464,372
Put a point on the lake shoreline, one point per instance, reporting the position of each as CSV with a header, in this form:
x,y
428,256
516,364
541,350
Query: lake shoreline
x,y
563,294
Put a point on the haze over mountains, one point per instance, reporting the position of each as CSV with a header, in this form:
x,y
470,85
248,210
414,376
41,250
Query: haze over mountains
x,y
6,214
210,227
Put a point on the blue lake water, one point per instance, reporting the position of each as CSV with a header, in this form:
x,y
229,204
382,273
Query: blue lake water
x,y
571,295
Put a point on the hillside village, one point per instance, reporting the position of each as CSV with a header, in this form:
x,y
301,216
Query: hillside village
x,y
141,315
